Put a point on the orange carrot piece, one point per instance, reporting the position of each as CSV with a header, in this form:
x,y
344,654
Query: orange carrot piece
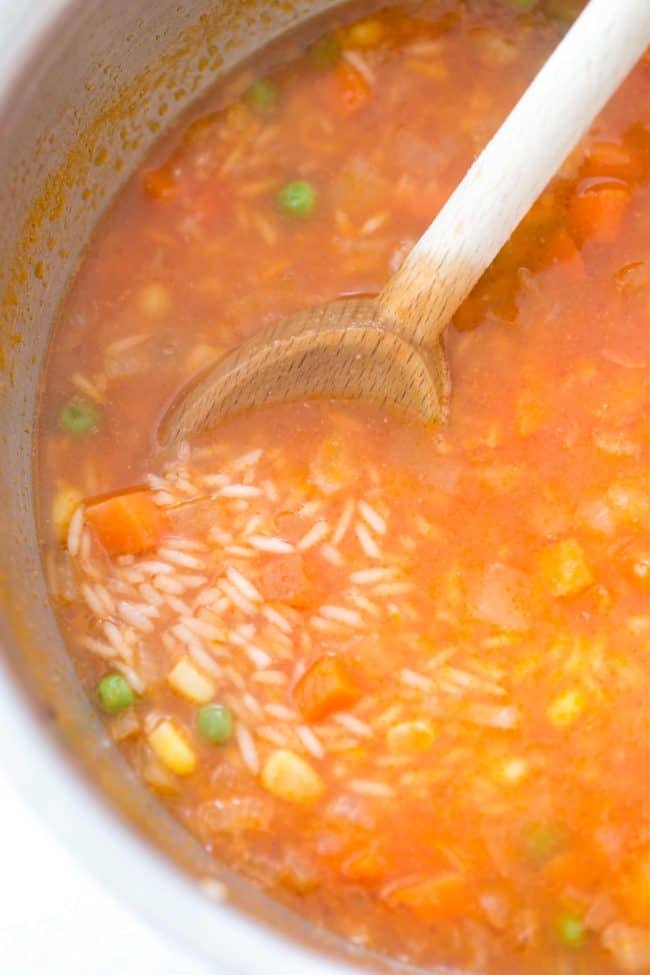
x,y
127,524
159,184
597,212
349,90
324,688
433,899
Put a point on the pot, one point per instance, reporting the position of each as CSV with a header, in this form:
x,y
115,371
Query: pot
x,y
83,86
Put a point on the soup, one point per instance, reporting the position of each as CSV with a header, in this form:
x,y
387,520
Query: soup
x,y
398,676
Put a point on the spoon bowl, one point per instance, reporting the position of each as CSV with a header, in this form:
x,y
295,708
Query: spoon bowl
x,y
389,349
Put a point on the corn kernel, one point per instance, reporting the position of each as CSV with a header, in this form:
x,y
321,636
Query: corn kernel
x,y
290,777
153,300
366,33
66,501
566,708
411,736
172,749
188,681
563,568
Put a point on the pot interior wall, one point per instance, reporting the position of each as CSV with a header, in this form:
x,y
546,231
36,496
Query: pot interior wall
x,y
79,116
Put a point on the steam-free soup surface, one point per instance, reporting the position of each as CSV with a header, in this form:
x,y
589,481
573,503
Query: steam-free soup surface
x,y
398,676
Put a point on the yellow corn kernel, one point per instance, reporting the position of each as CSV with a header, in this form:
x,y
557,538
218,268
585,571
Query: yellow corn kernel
x,y
66,501
171,748
410,736
188,681
366,33
566,708
290,777
563,568
153,300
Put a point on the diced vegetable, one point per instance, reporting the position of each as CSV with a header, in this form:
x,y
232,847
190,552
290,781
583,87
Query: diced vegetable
x,y
349,90
172,749
563,568
290,777
262,96
567,707
326,52
324,688
297,199
79,417
411,736
187,680
66,501
597,212
215,724
159,183
571,931
115,693
366,33
127,524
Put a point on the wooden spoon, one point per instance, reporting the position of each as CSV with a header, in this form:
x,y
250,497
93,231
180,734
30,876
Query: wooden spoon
x,y
389,349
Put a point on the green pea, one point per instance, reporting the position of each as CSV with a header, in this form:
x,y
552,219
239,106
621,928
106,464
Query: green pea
x,y
326,52
215,724
79,417
297,199
262,96
542,842
115,693
571,930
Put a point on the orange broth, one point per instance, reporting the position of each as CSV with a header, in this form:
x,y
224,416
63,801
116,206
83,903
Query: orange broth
x,y
424,654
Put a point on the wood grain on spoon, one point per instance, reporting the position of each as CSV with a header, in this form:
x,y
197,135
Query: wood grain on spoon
x,y
389,349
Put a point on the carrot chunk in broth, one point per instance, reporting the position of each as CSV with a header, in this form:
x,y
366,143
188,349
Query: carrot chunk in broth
x,y
324,688
127,524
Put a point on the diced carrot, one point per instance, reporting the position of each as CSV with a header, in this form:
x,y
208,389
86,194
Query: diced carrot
x,y
159,184
324,688
433,899
349,90
127,524
597,212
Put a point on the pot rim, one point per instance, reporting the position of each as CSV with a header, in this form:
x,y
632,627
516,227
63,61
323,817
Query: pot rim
x,y
139,876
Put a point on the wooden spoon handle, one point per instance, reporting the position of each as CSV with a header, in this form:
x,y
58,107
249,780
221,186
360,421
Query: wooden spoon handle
x,y
506,179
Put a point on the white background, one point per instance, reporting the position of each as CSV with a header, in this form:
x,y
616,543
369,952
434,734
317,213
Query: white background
x,y
56,920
